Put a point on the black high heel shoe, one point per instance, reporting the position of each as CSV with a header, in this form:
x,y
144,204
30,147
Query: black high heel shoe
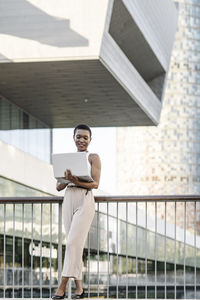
x,y
81,296
58,297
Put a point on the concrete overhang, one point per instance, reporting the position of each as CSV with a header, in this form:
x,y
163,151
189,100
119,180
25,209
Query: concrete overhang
x,y
103,63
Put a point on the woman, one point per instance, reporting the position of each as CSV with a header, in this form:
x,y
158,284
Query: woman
x,y
78,210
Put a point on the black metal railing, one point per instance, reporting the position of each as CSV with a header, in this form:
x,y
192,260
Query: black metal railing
x,y
137,247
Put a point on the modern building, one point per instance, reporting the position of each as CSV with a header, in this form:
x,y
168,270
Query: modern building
x,y
77,62
166,159
103,63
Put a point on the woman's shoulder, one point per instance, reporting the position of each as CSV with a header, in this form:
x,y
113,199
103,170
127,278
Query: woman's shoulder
x,y
93,156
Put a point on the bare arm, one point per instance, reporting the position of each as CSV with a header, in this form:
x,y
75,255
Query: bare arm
x,y
95,172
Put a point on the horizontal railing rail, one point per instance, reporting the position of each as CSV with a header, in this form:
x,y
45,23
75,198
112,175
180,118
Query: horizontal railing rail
x,y
137,247
55,199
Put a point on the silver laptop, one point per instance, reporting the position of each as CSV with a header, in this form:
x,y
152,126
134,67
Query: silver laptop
x,y
77,162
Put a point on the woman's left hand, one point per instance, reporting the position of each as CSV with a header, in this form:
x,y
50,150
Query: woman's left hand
x,y
69,176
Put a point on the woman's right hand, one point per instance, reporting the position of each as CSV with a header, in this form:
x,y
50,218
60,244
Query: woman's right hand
x,y
67,176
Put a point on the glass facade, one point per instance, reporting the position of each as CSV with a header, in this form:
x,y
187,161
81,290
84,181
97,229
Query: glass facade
x,y
166,159
23,131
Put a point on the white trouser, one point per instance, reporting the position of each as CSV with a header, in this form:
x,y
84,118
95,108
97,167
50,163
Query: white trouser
x,y
78,211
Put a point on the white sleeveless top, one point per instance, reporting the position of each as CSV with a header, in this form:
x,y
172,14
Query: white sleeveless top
x,y
88,153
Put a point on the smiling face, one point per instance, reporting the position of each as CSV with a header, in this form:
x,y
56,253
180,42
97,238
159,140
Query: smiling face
x,y
82,139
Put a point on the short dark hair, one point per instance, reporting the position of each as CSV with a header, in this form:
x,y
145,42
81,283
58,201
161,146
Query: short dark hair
x,y
83,126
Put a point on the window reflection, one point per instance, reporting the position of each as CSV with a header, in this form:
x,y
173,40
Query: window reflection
x,y
23,131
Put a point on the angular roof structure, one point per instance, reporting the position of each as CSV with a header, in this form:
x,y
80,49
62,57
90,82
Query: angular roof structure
x,y
103,63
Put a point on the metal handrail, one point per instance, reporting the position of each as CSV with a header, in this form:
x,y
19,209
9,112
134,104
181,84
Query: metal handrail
x,y
98,199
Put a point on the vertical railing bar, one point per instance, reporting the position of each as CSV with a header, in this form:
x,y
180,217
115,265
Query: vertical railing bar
x,y
50,263
136,254
23,250
4,254
41,212
117,242
184,249
89,264
13,293
98,237
32,250
60,242
195,249
108,257
155,250
175,249
165,250
145,249
126,250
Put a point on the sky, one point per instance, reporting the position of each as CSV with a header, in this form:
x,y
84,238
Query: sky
x,y
103,142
